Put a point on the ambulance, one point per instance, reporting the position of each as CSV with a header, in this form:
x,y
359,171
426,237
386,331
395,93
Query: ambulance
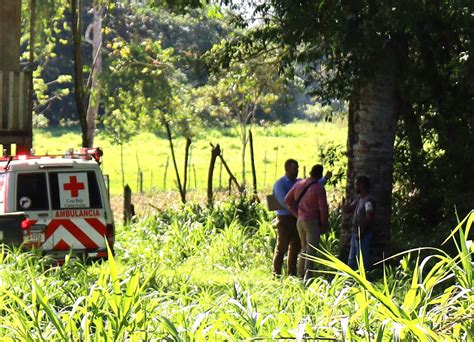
x,y
64,199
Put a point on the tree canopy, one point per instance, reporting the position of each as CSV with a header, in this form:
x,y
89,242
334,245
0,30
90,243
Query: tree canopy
x,y
338,47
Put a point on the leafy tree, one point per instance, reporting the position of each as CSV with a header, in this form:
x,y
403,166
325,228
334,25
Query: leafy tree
x,y
48,18
148,92
40,21
368,54
436,102
87,95
347,53
235,94
120,126
157,76
190,34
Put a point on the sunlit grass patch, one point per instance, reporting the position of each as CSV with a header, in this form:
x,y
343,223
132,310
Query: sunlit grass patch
x,y
150,153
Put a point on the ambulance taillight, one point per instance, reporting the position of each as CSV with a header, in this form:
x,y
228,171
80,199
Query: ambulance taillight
x,y
25,226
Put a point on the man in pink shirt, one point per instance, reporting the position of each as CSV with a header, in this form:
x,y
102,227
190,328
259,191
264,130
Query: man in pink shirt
x,y
307,201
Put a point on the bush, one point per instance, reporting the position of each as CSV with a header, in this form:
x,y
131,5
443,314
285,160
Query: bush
x,y
40,121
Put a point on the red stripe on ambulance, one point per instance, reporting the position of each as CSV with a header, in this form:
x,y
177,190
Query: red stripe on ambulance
x,y
73,229
87,232
62,245
97,224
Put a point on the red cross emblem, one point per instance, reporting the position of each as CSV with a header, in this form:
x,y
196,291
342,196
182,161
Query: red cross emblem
x,y
73,186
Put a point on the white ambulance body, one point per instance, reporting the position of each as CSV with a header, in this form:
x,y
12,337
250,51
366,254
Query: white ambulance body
x,y
65,199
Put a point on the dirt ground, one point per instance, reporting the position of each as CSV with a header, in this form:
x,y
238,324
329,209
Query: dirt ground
x,y
147,203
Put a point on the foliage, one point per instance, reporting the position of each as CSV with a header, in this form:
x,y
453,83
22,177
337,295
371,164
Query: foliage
x,y
176,5
143,72
190,32
153,93
195,280
337,47
40,121
50,83
333,157
430,173
236,93
317,111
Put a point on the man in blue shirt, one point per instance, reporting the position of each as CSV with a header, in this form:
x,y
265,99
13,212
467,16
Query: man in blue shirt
x,y
288,239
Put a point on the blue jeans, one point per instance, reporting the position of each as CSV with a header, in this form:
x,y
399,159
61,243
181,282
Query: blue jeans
x,y
365,245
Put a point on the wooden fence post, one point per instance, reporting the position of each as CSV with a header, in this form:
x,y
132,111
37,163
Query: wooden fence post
x,y
214,154
140,182
128,208
231,175
151,180
220,176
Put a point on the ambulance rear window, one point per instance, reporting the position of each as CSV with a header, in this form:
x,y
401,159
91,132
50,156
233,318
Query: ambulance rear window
x,y
31,192
74,190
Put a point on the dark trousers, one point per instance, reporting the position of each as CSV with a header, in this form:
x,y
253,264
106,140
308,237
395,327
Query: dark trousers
x,y
288,241
360,246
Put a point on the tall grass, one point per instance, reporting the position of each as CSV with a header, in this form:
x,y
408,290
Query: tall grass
x,y
204,274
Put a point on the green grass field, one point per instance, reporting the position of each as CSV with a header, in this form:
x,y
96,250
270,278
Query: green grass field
x,y
273,145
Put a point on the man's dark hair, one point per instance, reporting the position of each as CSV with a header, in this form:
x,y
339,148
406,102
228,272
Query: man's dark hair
x,y
364,180
289,162
316,171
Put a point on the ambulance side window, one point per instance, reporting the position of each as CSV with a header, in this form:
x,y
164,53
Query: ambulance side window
x,y
31,192
89,195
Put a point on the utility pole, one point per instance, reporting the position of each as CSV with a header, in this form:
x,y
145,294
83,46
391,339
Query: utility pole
x,y
15,112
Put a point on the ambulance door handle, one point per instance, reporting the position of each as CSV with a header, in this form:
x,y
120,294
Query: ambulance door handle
x,y
43,214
